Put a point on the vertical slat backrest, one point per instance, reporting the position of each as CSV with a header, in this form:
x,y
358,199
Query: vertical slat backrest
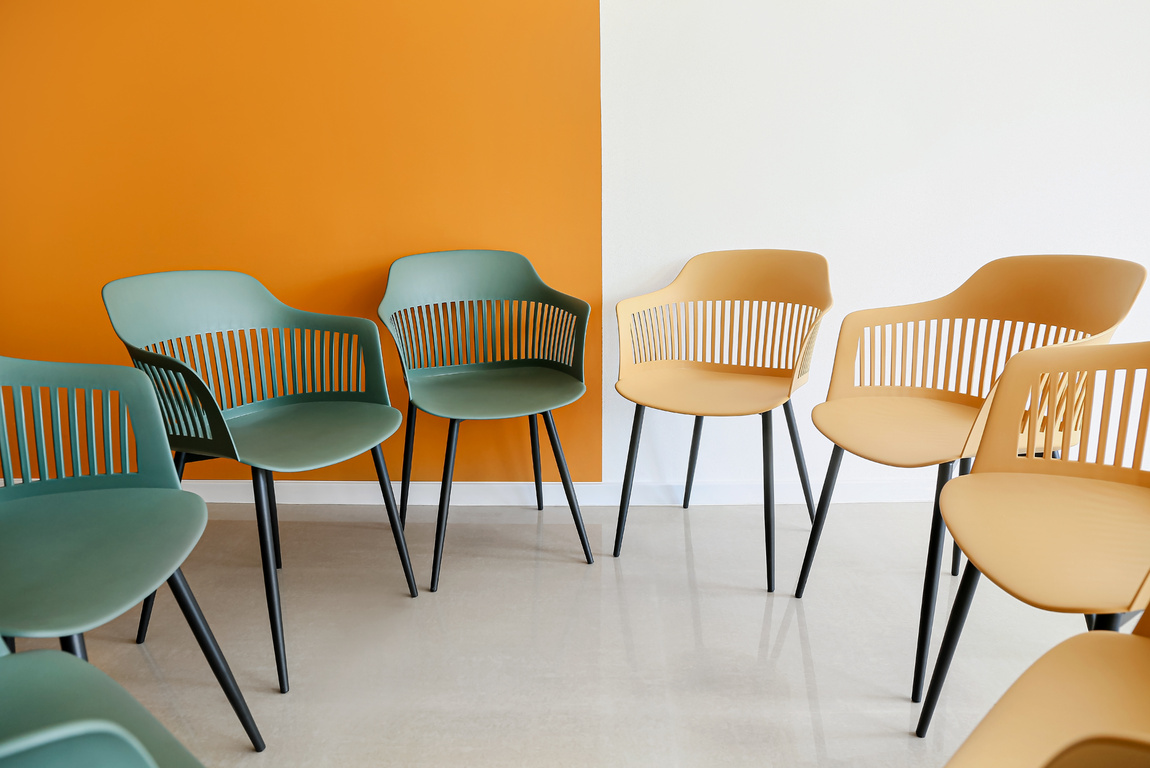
x,y
1081,411
737,333
472,331
65,426
246,366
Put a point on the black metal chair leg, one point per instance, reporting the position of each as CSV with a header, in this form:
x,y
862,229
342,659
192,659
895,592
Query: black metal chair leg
x,y
536,463
180,459
964,466
568,486
954,625
1109,622
820,518
930,583
1089,620
145,618
800,460
207,641
408,451
10,643
629,476
769,499
275,517
444,500
696,434
74,644
271,578
393,518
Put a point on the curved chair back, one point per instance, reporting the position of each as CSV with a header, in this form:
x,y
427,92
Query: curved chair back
x,y
218,344
90,743
1073,411
66,426
955,348
477,308
749,311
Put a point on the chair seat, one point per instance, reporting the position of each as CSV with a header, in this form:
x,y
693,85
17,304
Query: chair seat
x,y
689,389
1065,544
41,689
296,437
89,555
494,393
1092,685
897,431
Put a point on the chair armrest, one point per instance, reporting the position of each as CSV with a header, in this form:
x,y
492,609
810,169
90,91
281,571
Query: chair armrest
x,y
192,417
367,335
582,312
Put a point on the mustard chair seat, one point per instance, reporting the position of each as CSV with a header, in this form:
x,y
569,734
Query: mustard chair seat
x,y
1085,703
1067,544
732,335
684,388
897,431
497,393
1063,523
283,439
911,385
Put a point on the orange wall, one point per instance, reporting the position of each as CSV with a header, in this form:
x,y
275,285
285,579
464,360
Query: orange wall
x,y
308,144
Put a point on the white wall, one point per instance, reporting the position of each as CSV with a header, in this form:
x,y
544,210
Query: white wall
x,y
907,141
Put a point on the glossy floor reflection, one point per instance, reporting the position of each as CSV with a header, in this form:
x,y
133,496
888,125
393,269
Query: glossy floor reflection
x,y
673,654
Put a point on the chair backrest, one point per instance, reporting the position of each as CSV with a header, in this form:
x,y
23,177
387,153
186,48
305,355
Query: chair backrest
x,y
218,344
480,308
755,311
954,348
88,743
1079,411
66,426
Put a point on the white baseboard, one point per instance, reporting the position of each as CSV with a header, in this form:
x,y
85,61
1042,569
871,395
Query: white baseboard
x,y
521,494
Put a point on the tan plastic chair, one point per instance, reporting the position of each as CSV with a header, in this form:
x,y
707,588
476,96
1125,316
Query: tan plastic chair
x,y
1063,524
1085,703
911,385
731,336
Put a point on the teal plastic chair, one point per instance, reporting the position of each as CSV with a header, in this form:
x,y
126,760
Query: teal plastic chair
x,y
58,712
92,518
482,337
241,375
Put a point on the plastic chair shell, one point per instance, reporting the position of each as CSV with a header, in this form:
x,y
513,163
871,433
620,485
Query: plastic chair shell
x,y
732,335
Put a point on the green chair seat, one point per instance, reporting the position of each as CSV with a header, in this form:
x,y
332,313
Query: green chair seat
x,y
49,690
71,562
296,437
500,393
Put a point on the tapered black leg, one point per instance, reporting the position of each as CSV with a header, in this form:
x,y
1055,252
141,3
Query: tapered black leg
x,y
536,463
930,583
693,459
964,466
1109,622
10,644
393,518
180,458
769,499
800,460
207,641
275,517
74,644
820,518
145,618
271,578
568,486
958,613
1089,620
629,476
444,500
408,451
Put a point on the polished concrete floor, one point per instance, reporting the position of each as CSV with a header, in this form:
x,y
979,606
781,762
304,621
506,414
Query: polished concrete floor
x,y
672,655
